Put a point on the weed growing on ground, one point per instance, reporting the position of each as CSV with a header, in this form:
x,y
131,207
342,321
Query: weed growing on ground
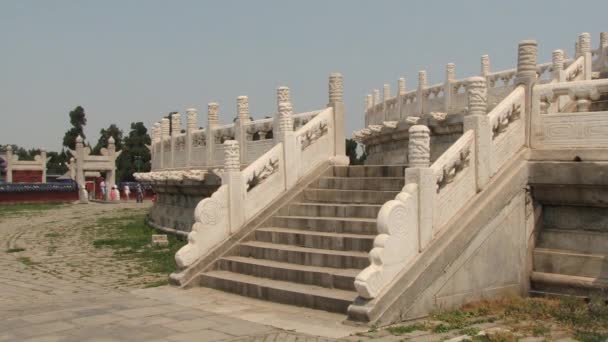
x,y
19,209
471,331
130,238
15,250
404,329
160,282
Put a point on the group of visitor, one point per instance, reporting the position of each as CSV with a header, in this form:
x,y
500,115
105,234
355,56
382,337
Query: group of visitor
x,y
114,195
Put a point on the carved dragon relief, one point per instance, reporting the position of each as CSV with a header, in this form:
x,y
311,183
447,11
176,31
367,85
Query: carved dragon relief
x,y
312,135
453,166
260,176
505,119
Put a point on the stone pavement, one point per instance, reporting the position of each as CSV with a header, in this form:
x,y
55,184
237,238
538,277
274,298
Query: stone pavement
x,y
43,297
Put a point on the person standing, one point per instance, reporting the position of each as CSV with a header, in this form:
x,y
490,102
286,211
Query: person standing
x,y
103,188
139,193
127,191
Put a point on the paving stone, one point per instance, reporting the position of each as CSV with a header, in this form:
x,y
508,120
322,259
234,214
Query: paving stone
x,y
42,329
200,335
97,320
193,325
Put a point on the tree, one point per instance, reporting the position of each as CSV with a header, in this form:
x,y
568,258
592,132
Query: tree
x,y
78,121
135,155
105,134
351,152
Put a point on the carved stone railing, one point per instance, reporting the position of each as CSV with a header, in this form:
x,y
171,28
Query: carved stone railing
x,y
14,164
247,192
580,125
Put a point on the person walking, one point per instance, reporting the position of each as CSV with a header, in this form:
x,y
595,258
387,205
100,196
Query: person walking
x,y
139,193
103,188
126,190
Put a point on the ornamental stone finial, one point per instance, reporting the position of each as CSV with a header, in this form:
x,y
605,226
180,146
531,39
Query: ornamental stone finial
x,y
336,87
283,95
242,108
376,93
285,119
164,127
192,115
79,140
450,71
386,92
232,159
176,124
526,60
419,146
584,42
401,86
111,140
422,82
477,94
485,65
212,113
557,58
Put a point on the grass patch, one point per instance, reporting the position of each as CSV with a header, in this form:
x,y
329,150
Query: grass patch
x,y
15,250
471,331
404,329
130,238
52,235
17,209
590,336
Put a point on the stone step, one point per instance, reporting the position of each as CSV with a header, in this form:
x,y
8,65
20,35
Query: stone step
x,y
311,296
571,194
567,284
570,263
348,225
368,171
360,183
313,239
575,217
573,240
320,276
331,210
303,255
348,196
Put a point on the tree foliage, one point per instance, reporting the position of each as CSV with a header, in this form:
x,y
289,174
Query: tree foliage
x,y
351,152
78,120
105,134
135,155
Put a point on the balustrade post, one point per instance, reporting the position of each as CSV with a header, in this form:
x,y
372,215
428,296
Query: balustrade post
x,y
9,164
369,101
584,45
240,133
526,75
191,116
288,139
176,129
400,93
43,162
386,95
80,169
447,87
236,187
422,85
155,163
283,95
420,172
336,101
212,122
603,51
477,120
376,97
558,72
485,65
164,135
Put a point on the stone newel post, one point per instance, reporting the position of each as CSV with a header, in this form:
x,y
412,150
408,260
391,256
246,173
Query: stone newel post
x,y
419,172
450,76
401,86
584,45
287,137
603,51
176,129
164,136
485,65
422,84
232,177
212,122
526,75
242,110
336,100
9,164
191,116
477,120
557,59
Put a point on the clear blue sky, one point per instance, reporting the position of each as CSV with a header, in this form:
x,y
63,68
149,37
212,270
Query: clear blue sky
x,y
127,61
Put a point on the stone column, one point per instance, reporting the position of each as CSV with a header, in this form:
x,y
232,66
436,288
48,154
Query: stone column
x,y
80,168
9,164
191,116
526,75
164,135
477,120
43,162
450,76
422,84
420,173
584,44
242,109
212,123
336,101
236,189
72,168
176,129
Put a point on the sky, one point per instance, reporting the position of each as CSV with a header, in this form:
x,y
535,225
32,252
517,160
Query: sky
x,y
137,60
